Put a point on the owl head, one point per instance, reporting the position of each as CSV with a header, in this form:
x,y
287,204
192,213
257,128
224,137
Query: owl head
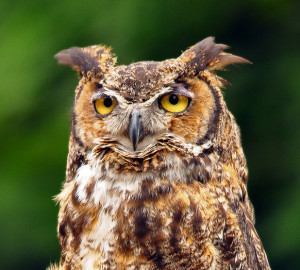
x,y
145,108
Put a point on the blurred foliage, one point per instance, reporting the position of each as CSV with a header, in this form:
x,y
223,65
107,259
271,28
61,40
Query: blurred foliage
x,y
36,98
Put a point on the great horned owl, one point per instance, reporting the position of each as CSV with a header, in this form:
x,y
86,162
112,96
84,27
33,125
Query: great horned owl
x,y
156,175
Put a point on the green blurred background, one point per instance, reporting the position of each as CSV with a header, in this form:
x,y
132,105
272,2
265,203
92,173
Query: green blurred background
x,y
36,98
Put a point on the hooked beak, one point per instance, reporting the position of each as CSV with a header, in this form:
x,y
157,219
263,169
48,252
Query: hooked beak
x,y
135,129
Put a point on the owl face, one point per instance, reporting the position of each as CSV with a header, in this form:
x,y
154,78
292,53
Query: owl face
x,y
183,109
134,106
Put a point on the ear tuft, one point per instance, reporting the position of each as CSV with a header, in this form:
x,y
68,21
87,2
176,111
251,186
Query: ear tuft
x,y
206,54
92,60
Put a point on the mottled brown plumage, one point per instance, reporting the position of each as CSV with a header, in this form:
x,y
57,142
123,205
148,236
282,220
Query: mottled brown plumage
x,y
150,184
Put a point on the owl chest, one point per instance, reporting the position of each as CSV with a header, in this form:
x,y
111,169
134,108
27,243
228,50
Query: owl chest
x,y
123,224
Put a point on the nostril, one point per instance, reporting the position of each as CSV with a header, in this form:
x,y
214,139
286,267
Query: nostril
x,y
130,116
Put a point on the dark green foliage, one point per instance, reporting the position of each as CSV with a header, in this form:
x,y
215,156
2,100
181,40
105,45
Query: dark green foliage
x,y
36,98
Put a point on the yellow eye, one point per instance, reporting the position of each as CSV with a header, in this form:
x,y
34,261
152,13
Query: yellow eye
x,y
175,103
105,105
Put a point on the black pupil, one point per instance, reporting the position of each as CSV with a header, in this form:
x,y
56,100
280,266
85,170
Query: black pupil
x,y
173,99
107,102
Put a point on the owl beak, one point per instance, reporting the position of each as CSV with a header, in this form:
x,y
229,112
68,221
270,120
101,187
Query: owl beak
x,y
135,129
